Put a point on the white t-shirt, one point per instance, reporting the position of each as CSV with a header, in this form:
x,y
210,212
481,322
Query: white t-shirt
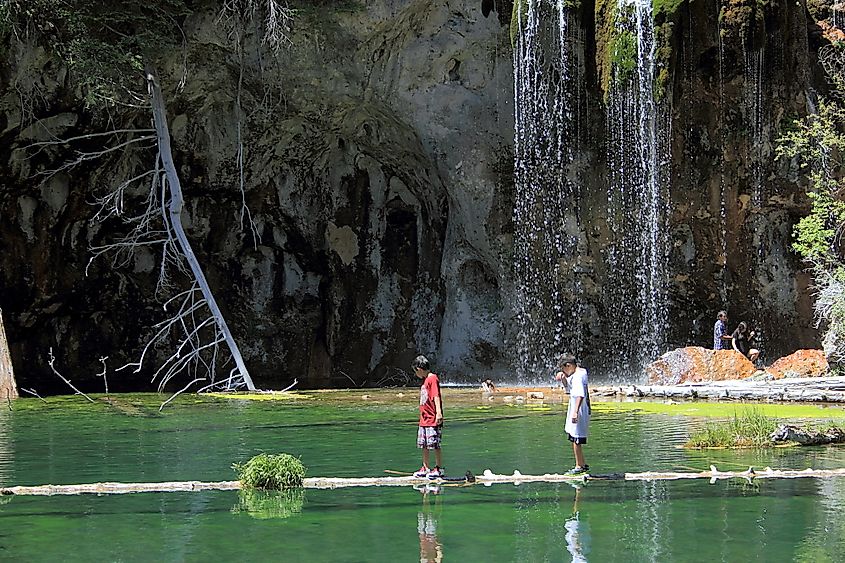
x,y
576,386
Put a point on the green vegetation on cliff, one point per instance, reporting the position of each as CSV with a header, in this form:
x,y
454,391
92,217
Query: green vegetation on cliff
x,y
816,143
623,55
103,45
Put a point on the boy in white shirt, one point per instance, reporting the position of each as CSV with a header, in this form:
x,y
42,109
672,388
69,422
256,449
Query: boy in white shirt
x,y
574,380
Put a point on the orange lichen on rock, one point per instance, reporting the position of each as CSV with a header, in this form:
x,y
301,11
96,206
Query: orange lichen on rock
x,y
831,32
803,363
695,363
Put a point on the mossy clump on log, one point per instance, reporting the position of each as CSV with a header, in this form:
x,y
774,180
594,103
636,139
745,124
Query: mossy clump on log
x,y
271,472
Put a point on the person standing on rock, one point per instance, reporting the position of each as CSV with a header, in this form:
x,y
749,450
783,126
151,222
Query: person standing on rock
x,y
574,380
721,338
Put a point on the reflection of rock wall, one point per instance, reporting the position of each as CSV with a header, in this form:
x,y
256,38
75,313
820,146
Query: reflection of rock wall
x,y
378,170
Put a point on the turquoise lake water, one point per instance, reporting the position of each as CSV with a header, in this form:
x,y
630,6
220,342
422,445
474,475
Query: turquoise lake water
x,y
68,441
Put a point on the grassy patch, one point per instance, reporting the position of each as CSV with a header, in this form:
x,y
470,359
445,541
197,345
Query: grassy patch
x,y
751,429
270,472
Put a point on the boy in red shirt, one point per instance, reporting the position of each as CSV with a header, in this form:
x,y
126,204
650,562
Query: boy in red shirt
x,y
431,418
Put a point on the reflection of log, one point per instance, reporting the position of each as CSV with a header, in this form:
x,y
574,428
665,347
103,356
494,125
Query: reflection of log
x,y
811,390
486,478
8,387
790,433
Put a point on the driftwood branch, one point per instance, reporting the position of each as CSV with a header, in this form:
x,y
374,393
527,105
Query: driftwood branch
x,y
51,363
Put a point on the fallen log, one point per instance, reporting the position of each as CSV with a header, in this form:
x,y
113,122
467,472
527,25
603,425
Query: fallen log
x,y
486,478
808,390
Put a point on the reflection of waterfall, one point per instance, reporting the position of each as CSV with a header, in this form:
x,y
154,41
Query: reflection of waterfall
x,y
547,304
637,199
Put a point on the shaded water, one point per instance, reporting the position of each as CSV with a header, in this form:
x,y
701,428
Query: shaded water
x,y
340,434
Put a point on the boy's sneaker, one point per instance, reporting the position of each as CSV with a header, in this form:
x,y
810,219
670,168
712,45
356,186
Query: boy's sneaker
x,y
435,473
422,472
577,470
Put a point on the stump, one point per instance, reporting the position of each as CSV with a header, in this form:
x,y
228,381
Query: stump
x,y
8,387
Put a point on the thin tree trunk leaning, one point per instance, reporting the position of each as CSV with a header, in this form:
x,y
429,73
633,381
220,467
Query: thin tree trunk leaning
x,y
799,389
487,477
175,210
8,387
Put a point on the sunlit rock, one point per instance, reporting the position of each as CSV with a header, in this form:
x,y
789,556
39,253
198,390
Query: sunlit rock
x,y
695,363
802,363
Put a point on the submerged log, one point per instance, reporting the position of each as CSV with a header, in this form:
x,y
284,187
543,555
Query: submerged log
x,y
8,387
486,478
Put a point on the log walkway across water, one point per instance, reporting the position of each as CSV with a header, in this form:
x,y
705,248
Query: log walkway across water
x,y
803,389
487,478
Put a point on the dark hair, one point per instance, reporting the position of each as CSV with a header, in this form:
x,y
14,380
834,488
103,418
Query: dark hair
x,y
566,358
421,362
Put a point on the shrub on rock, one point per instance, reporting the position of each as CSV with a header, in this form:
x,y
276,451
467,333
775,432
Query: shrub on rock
x,y
271,472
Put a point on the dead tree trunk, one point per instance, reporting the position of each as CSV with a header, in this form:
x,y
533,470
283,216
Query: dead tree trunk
x,y
175,212
8,387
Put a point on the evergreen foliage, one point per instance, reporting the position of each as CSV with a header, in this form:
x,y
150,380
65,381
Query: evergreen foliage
x,y
103,44
271,472
816,143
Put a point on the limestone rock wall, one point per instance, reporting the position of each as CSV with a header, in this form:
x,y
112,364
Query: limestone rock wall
x,y
378,155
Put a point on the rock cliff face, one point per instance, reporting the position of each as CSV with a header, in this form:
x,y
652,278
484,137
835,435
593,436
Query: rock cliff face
x,y
378,157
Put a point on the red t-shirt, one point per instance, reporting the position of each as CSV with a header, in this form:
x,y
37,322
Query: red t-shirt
x,y
429,391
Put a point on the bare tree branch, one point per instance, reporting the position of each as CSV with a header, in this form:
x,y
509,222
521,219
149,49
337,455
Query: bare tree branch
x,y
63,378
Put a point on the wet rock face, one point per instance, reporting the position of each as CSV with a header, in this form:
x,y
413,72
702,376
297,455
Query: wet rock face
x,y
376,129
378,172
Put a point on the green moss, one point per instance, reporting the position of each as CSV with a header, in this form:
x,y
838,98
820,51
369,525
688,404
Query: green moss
x,y
270,472
520,9
722,410
623,56
605,17
103,44
665,10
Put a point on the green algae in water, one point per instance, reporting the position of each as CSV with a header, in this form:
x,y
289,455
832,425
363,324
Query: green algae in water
x,y
723,410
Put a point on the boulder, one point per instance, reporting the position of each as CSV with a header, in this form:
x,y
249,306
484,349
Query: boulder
x,y
695,363
802,363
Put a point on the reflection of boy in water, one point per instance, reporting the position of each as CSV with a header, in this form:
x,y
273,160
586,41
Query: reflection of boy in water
x,y
576,535
431,550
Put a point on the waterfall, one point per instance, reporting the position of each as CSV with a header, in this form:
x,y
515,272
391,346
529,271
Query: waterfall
x,y
638,151
755,111
547,303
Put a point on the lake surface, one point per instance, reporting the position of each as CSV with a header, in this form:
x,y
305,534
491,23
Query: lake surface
x,y
68,440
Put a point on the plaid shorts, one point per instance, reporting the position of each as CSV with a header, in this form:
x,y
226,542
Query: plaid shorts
x,y
429,437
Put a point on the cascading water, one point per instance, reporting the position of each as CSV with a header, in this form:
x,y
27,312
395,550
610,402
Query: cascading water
x,y
637,194
547,305
755,116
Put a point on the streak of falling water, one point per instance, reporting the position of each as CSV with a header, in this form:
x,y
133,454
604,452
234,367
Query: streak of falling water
x,y
546,294
638,151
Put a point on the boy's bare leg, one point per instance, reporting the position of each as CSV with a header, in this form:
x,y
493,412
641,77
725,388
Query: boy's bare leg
x,y
579,455
425,457
438,456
